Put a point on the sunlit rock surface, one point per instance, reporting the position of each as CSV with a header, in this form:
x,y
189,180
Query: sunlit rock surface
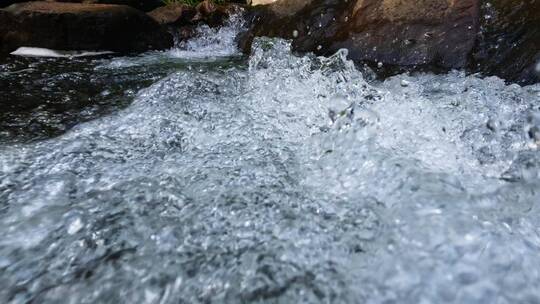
x,y
282,179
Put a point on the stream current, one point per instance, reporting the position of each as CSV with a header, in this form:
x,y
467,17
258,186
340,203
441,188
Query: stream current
x,y
199,176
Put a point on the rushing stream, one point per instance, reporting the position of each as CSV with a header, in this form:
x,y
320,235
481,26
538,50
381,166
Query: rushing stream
x,y
200,176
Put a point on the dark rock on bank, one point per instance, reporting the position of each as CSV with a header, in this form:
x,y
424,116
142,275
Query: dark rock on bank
x,y
72,26
6,3
144,5
401,35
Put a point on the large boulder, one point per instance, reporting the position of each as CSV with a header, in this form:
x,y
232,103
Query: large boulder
x,y
73,26
404,35
144,5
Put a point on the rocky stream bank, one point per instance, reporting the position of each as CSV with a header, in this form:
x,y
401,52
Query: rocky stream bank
x,y
492,37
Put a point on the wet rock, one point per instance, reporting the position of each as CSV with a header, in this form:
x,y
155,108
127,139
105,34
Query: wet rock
x,y
6,3
144,5
73,26
205,12
174,14
397,35
508,43
182,19
215,15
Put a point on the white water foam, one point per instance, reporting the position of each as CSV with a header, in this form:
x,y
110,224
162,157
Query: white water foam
x,y
42,52
211,42
207,44
294,180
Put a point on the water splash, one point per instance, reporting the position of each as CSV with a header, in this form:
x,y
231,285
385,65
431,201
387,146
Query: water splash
x,y
207,45
294,180
211,42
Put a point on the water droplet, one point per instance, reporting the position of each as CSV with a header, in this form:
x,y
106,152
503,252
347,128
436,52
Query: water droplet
x,y
295,33
75,226
319,47
492,125
380,65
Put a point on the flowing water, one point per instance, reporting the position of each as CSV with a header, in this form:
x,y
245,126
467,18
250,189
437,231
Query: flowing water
x,y
199,176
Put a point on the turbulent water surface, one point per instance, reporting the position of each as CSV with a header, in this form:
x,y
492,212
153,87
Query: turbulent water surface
x,y
275,179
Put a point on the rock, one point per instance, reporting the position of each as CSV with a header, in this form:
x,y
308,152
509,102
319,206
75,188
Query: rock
x,y
144,5
205,12
215,15
73,26
402,35
182,19
206,7
397,33
174,14
6,3
508,44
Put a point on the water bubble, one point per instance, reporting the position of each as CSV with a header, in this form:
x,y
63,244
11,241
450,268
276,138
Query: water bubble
x,y
75,226
493,125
